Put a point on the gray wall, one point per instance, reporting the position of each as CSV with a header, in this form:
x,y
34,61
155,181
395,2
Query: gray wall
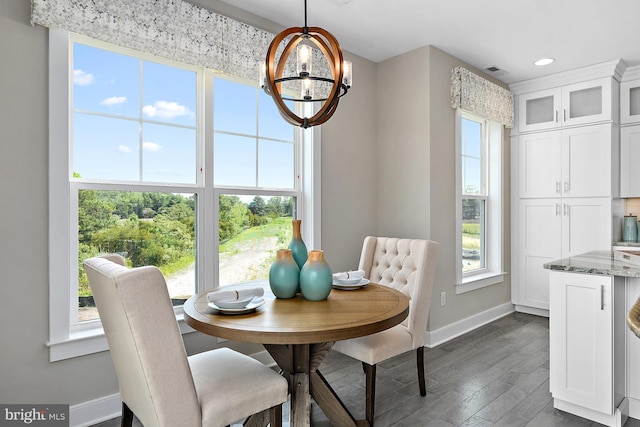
x,y
416,172
386,146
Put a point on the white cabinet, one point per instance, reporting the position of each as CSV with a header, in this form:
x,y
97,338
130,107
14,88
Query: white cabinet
x,y
574,162
630,102
630,161
570,105
581,340
550,229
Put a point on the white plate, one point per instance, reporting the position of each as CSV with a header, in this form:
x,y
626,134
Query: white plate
x,y
362,283
234,303
257,302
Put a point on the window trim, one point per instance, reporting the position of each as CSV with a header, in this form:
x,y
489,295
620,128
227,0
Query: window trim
x,y
66,339
493,272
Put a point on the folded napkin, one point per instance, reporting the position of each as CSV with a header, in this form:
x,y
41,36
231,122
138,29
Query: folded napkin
x,y
234,294
353,274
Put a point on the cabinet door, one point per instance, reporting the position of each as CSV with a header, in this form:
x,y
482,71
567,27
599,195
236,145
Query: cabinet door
x,y
581,340
630,161
586,225
586,102
539,110
539,164
586,161
630,102
539,242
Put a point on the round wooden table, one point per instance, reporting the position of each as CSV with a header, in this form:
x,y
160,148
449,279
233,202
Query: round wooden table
x,y
299,333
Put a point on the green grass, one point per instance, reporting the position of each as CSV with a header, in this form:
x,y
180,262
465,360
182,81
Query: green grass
x,y
280,227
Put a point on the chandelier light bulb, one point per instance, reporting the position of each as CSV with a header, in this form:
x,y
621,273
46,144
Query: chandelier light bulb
x,y
307,89
347,77
303,65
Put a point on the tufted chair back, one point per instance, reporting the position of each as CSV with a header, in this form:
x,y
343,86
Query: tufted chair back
x,y
407,265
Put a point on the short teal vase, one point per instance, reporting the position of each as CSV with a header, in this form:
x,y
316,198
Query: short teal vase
x,y
297,246
284,275
315,277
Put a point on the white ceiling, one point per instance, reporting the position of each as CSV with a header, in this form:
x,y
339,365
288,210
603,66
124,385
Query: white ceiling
x,y
509,34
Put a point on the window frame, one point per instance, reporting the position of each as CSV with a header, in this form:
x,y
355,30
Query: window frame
x,y
492,193
69,338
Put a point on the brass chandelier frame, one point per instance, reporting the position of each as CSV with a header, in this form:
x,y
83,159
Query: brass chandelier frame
x,y
274,79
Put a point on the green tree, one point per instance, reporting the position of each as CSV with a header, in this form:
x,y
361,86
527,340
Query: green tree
x,y
258,206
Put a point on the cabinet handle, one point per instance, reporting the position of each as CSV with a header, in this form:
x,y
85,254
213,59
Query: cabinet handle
x,y
601,297
557,209
565,209
556,116
566,186
558,187
564,114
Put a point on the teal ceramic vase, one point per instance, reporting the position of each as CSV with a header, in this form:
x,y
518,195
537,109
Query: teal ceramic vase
x,y
315,277
284,275
297,246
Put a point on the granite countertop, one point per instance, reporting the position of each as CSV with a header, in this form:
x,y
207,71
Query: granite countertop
x,y
596,262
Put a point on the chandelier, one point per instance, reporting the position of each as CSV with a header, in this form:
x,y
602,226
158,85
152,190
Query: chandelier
x,y
326,90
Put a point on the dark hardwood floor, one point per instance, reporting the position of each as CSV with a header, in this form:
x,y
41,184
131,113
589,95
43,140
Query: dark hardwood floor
x,y
496,375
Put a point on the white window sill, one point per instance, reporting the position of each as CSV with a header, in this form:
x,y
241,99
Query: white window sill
x,y
89,341
478,281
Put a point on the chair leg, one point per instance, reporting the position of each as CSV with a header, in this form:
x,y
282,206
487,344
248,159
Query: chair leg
x,y
370,391
275,416
420,357
127,416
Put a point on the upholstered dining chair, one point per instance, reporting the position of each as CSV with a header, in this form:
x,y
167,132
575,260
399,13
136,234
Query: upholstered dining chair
x,y
158,382
633,318
407,265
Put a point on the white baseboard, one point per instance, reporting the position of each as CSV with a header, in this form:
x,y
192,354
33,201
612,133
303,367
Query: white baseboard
x,y
532,310
449,332
95,411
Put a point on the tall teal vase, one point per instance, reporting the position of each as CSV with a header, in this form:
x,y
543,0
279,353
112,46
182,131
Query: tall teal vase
x,y
284,275
297,246
315,277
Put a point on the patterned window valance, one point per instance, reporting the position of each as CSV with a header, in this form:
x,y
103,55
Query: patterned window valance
x,y
477,95
172,29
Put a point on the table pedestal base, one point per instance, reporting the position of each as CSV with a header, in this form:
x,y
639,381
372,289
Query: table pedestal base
x,y
299,364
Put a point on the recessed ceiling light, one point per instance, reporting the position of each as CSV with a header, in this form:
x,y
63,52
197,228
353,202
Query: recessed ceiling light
x,y
543,61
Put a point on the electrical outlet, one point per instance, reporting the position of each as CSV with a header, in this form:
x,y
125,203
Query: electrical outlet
x,y
443,299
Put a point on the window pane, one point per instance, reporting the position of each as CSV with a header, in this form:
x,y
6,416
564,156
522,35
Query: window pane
x,y
251,230
234,107
147,229
275,164
168,154
472,154
105,148
234,160
473,234
169,94
270,122
105,82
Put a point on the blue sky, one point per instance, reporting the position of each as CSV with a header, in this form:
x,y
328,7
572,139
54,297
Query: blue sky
x,y
112,92
471,155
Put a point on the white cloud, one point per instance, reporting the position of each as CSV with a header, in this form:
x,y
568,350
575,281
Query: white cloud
x,y
113,100
82,78
151,146
124,149
166,110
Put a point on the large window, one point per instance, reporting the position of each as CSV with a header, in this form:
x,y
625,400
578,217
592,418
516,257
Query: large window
x,y
479,201
169,165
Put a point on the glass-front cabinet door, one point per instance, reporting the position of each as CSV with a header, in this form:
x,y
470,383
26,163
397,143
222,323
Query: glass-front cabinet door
x,y
571,105
630,102
539,110
586,102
